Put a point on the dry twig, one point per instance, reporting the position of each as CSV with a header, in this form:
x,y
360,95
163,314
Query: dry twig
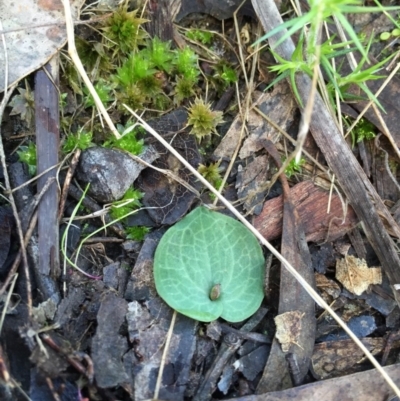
x,y
81,70
4,102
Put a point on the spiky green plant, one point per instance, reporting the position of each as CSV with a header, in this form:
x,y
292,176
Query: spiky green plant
x,y
137,233
184,89
203,120
81,140
160,54
124,30
212,173
128,141
185,62
319,12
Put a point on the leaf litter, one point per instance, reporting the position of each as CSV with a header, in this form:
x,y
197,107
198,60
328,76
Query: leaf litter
x,y
355,275
144,354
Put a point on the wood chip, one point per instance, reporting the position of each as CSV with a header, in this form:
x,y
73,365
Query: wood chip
x,y
327,287
355,275
278,105
311,203
337,358
288,328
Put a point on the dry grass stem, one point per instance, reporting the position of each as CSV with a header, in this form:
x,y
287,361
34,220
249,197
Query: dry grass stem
x,y
376,94
6,98
164,356
81,70
7,302
244,112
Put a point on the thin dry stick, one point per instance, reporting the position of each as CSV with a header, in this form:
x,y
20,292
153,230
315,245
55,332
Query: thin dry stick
x,y
385,130
28,234
17,385
17,260
67,181
81,70
306,115
7,94
242,64
304,125
5,307
244,113
285,263
337,117
350,56
315,161
34,178
164,356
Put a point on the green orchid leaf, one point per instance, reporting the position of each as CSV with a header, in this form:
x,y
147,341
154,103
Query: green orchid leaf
x,y
209,265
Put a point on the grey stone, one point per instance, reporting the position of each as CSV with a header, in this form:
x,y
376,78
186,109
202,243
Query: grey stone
x,y
110,172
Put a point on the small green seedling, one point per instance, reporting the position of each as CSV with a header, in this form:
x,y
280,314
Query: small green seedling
x,y
229,75
135,69
289,68
225,75
364,130
63,100
124,30
294,167
81,140
128,141
160,54
212,173
209,265
387,35
203,120
103,89
137,80
185,62
204,37
136,233
184,89
129,202
27,154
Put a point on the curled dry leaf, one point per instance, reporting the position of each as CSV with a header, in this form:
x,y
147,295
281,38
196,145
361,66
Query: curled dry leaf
x,y
355,275
288,328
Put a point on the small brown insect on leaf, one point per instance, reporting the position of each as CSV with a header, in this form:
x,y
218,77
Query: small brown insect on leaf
x,y
215,292
355,275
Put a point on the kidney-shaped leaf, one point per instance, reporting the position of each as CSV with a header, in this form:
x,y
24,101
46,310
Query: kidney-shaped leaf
x,y
209,265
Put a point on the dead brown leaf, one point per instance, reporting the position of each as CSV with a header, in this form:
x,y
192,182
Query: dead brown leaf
x,y
355,275
288,329
33,37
